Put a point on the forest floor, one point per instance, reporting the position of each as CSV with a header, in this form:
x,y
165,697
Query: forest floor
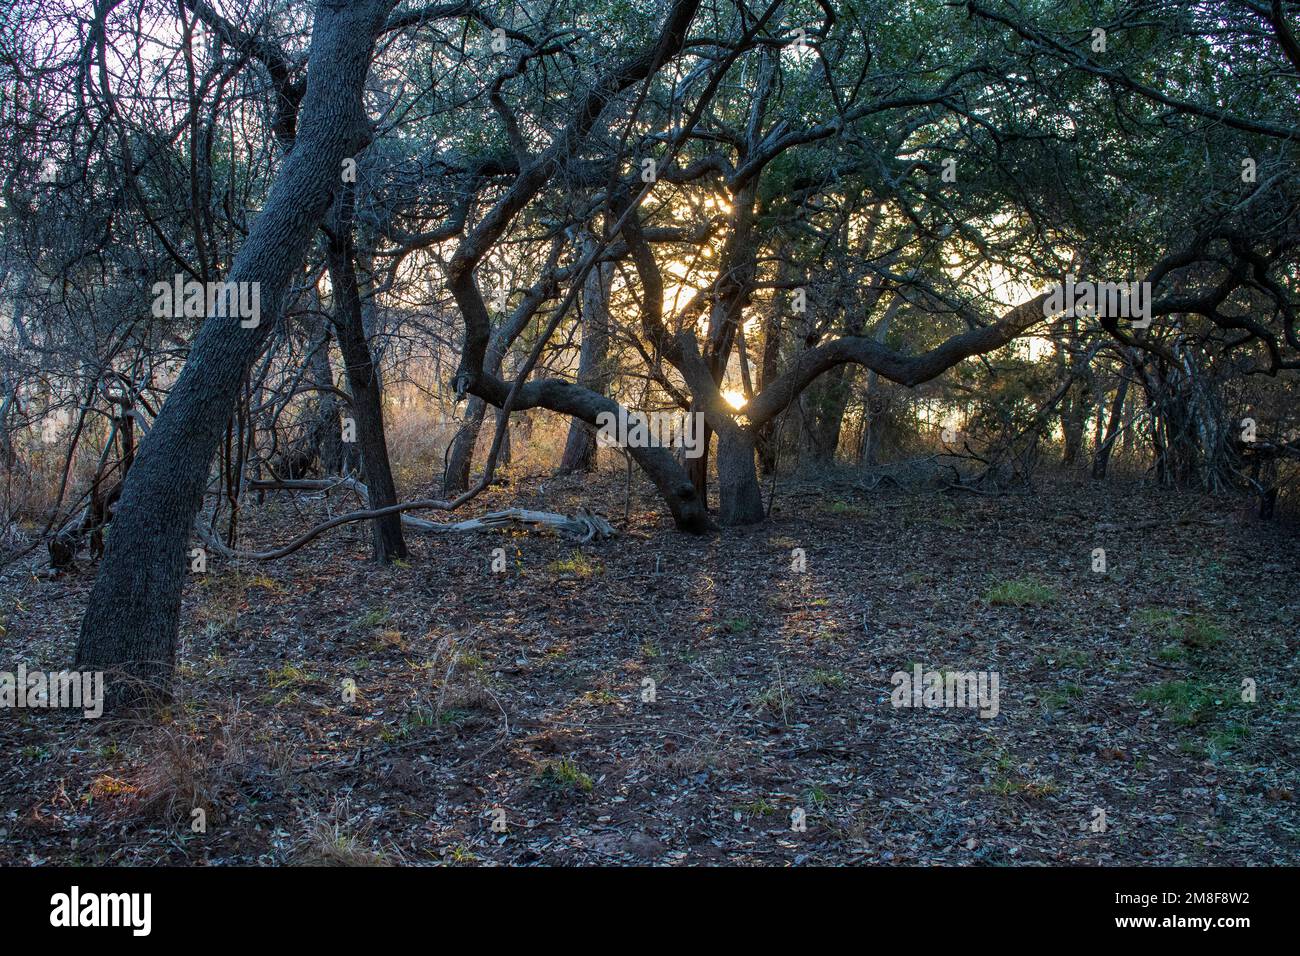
x,y
520,698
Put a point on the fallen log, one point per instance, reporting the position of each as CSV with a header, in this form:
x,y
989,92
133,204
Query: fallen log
x,y
586,525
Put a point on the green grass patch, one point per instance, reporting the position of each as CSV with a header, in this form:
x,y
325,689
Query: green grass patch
x,y
288,675
373,618
1061,695
1063,657
1022,592
1198,631
576,565
1185,702
1225,739
564,776
757,808
831,680
844,508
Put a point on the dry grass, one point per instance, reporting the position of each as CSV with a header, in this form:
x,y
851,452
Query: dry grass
x,y
335,838
186,768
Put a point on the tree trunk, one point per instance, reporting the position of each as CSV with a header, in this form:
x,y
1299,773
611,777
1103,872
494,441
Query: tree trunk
x,y
326,441
875,409
767,436
363,383
740,500
1101,460
580,449
822,406
131,621
876,404
503,454
1074,412
455,479
1077,402
697,469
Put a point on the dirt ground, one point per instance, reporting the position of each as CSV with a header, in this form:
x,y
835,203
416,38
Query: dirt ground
x,y
662,699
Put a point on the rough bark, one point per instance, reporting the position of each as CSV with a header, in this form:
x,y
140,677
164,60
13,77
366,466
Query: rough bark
x,y
1074,411
740,500
131,621
1077,403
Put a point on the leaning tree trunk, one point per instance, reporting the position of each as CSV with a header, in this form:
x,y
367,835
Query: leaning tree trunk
x,y
131,621
363,383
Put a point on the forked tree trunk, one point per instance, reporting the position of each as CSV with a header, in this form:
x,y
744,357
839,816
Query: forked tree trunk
x,y
460,457
131,621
